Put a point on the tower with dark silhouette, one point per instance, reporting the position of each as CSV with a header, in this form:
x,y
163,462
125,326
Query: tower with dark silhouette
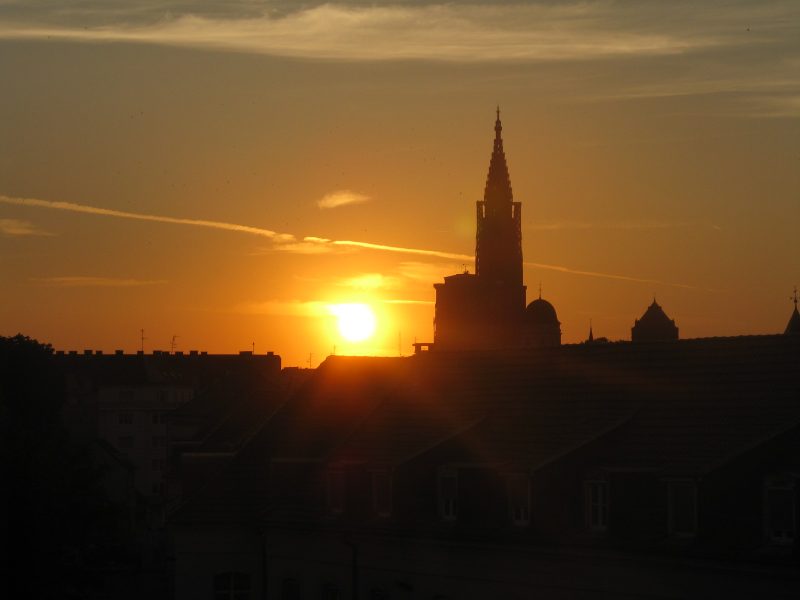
x,y
498,248
654,326
486,309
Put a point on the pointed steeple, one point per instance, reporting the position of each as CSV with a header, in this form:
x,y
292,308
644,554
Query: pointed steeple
x,y
793,326
498,182
591,333
498,243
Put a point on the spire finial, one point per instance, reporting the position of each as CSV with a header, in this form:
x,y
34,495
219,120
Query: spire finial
x,y
591,334
540,290
498,112
793,297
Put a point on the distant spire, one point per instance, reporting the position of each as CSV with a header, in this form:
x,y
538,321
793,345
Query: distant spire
x,y
540,290
498,182
591,334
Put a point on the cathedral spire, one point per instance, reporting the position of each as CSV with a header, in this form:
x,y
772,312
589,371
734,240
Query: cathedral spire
x,y
498,244
498,183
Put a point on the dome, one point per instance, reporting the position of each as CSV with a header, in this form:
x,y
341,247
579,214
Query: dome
x,y
541,312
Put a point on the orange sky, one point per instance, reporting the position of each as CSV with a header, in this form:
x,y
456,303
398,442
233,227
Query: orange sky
x,y
654,151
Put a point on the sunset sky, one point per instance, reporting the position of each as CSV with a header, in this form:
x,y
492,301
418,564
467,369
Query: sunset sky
x,y
223,172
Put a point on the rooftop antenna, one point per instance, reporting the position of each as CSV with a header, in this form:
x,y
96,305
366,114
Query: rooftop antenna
x,y
793,297
399,344
254,347
142,339
540,290
173,344
310,359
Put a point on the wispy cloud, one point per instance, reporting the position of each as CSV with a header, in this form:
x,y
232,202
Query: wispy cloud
x,y
310,240
82,281
401,249
107,212
401,301
444,31
296,308
341,198
581,225
603,275
16,227
426,271
371,281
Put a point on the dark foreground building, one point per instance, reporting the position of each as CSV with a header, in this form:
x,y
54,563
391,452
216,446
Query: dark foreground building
x,y
614,470
503,464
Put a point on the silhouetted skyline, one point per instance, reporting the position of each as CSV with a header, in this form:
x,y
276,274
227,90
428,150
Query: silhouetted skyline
x,y
229,175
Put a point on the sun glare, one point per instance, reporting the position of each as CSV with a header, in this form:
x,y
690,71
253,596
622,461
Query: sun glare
x,y
356,322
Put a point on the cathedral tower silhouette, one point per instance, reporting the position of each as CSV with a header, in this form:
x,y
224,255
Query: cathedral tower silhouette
x,y
498,248
486,309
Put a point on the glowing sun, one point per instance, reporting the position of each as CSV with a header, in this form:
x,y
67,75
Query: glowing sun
x,y
356,321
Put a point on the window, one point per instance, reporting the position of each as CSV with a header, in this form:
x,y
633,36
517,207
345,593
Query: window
x,y
232,586
125,418
157,488
519,499
159,441
780,516
126,395
448,494
382,493
162,395
682,508
597,505
158,418
335,490
125,442
331,591
290,589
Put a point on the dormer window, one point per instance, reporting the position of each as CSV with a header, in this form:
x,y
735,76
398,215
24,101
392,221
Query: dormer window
x,y
597,502
519,499
448,494
780,510
335,491
382,493
682,508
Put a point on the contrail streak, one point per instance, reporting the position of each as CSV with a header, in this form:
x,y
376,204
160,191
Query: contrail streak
x,y
107,212
612,276
281,237
419,251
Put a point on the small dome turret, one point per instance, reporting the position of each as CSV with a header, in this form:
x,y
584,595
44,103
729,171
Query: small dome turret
x,y
542,328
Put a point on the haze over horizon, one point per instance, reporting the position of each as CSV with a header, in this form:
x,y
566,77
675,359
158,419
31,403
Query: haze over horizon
x,y
226,172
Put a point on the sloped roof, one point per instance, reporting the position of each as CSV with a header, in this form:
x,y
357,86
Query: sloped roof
x,y
684,408
793,326
654,316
